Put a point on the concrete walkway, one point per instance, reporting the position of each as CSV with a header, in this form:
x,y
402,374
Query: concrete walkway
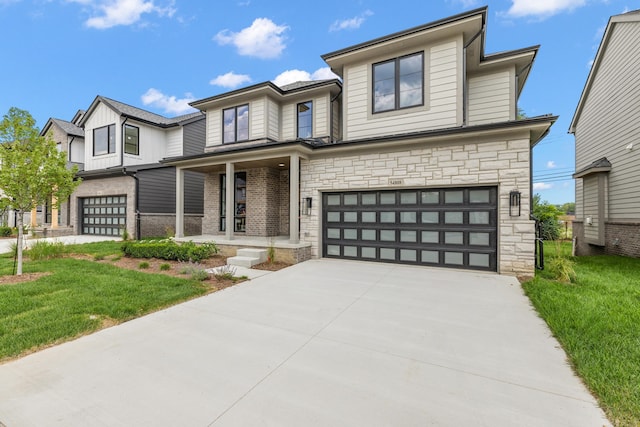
x,y
322,343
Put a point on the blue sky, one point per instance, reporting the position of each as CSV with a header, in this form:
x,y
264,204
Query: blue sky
x,y
57,55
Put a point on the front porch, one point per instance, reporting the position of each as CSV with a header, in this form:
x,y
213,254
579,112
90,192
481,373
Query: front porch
x,y
285,250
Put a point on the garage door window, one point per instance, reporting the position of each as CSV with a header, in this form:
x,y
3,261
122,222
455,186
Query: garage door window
x,y
447,227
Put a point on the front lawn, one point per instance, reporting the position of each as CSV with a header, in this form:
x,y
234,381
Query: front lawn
x,y
597,321
78,296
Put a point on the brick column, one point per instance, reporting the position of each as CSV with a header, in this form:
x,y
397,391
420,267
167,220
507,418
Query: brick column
x,y
230,198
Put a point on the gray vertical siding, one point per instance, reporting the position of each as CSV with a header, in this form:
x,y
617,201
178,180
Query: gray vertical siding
x,y
194,135
157,191
610,121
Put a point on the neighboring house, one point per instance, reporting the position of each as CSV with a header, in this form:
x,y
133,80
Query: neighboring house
x,y
69,138
124,187
416,157
606,126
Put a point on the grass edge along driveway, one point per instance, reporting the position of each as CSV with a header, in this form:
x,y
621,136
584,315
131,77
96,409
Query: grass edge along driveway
x,y
79,297
597,321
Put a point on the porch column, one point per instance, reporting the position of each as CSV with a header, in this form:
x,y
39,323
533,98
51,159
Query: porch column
x,y
54,212
294,198
229,211
179,202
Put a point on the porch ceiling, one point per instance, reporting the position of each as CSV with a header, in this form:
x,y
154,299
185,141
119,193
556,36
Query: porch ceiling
x,y
274,162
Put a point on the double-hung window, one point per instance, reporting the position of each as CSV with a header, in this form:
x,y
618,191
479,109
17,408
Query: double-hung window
x,y
131,140
305,119
104,140
235,124
398,83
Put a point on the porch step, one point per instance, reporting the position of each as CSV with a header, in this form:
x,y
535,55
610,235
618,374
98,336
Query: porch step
x,y
248,257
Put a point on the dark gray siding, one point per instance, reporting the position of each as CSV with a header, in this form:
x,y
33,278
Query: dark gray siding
x,y
157,191
194,138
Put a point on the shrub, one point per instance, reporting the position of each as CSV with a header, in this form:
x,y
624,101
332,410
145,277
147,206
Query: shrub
x,y
165,267
98,257
169,250
6,231
143,264
226,272
41,249
196,272
200,275
561,268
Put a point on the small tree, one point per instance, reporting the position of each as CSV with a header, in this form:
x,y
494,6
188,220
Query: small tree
x,y
548,215
32,170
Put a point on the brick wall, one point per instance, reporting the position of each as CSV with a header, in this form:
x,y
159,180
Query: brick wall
x,y
164,225
106,187
621,238
504,164
284,202
211,218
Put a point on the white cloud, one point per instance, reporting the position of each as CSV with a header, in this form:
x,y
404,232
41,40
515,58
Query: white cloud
x,y
292,76
111,13
352,23
169,104
230,80
542,186
263,39
551,164
542,8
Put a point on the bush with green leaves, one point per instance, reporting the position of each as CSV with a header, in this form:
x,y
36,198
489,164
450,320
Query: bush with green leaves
x,y
169,250
6,231
548,215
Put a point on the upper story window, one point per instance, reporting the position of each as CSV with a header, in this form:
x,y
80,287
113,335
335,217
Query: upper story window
x,y
305,119
104,140
131,140
235,124
397,83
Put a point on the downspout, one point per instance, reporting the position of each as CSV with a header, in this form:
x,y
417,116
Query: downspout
x,y
465,88
134,175
331,141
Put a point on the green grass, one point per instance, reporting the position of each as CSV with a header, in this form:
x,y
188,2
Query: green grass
x,y
77,297
597,321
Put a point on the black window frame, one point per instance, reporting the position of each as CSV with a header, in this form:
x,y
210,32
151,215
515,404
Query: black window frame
x,y
124,138
396,74
111,140
298,114
235,122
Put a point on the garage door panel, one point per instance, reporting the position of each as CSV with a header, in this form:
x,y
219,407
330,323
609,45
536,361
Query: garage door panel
x,y
454,227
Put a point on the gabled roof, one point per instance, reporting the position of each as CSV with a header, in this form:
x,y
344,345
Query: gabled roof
x,y
67,127
632,16
139,114
267,87
600,165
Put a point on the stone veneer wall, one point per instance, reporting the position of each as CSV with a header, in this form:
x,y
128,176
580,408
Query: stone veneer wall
x,y
499,163
116,186
621,238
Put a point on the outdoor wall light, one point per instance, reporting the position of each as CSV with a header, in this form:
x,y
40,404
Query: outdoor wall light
x,y
515,208
307,205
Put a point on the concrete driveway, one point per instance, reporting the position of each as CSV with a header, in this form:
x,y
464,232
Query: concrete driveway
x,y
322,343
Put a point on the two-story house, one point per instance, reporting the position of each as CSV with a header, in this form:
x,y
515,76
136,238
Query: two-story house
x,y
69,138
124,187
417,156
606,126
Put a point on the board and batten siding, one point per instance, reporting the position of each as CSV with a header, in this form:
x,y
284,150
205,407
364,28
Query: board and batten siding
x,y
491,98
101,116
442,91
610,121
157,191
152,145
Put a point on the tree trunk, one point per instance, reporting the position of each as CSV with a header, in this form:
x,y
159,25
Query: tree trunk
x,y
19,225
